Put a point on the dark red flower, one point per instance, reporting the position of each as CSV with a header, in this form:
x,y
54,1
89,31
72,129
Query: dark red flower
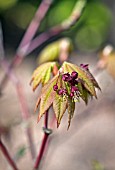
x,y
74,74
55,87
84,66
65,76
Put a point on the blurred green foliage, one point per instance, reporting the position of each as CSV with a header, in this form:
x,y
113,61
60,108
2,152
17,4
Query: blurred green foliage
x,y
88,34
97,165
20,152
5,4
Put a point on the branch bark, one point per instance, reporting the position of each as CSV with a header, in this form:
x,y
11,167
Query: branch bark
x,y
7,156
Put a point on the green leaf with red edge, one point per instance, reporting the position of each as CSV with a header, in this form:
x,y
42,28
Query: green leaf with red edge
x,y
42,74
59,106
47,96
71,109
68,67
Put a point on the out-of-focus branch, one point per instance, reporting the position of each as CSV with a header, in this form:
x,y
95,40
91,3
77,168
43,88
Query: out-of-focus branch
x,y
24,108
54,31
7,156
19,89
33,27
26,40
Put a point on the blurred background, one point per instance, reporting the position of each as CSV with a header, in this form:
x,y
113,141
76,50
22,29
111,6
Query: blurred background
x,y
97,20
89,143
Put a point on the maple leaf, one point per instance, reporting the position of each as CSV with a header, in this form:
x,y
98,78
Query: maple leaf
x,y
42,74
68,86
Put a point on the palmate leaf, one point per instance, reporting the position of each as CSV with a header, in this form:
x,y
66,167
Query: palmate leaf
x,y
82,75
69,85
47,96
71,109
59,106
46,76
42,74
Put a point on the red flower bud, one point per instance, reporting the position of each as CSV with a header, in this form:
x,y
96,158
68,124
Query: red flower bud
x,y
55,87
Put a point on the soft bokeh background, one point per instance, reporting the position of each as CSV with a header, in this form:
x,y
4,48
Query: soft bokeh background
x,y
89,144
96,20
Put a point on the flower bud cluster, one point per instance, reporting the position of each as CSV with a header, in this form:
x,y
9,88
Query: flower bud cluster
x,y
72,82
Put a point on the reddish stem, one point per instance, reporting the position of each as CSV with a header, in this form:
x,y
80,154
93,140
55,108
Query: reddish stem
x,y
47,132
46,120
38,160
7,156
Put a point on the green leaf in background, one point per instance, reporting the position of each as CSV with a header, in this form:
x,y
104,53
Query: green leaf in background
x,y
5,4
20,152
93,26
97,165
21,15
60,11
53,50
49,53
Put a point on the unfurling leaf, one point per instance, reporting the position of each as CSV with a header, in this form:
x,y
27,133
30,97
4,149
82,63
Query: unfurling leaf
x,y
42,74
52,51
87,82
69,85
47,96
59,106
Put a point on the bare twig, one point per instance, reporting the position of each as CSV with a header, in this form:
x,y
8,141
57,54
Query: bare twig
x,y
7,156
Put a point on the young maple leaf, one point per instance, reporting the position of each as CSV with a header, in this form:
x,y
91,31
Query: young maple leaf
x,y
67,87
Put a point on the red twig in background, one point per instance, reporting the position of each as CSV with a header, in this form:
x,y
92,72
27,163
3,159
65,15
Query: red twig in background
x,y
19,89
26,40
24,108
7,156
27,45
